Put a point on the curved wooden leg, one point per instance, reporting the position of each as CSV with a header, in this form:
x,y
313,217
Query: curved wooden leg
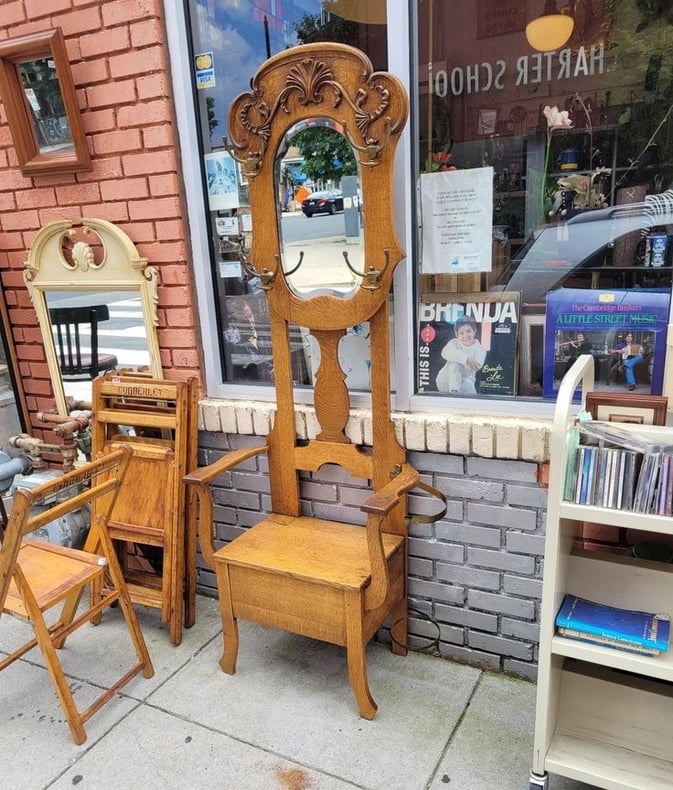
x,y
229,624
355,651
398,629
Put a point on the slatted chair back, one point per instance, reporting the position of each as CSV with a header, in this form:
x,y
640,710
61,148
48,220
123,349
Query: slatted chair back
x,y
75,331
153,527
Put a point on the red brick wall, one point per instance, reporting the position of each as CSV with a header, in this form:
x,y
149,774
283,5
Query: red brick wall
x,y
119,60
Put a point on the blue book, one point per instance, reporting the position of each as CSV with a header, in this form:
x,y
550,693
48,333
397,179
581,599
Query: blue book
x,y
622,625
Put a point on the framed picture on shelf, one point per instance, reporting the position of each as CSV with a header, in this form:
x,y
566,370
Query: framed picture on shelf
x,y
531,346
617,407
468,343
500,17
532,120
487,121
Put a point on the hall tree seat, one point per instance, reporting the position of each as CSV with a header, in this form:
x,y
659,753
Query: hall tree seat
x,y
329,580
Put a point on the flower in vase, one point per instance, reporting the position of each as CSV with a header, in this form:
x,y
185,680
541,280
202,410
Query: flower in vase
x,y
440,162
556,119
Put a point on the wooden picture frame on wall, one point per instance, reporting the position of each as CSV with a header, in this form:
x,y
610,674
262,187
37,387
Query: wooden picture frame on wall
x,y
531,354
38,93
617,407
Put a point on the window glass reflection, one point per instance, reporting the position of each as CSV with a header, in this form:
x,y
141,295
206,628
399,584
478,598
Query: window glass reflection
x,y
230,41
47,113
547,175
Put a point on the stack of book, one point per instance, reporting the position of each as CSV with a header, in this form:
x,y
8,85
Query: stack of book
x,y
625,629
618,469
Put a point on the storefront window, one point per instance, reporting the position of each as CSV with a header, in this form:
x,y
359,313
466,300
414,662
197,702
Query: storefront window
x,y
229,41
546,196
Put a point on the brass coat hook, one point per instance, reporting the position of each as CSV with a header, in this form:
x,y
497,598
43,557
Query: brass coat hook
x,y
252,163
371,153
266,277
292,271
371,279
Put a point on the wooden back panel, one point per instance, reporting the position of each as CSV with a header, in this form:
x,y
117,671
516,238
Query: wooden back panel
x,y
147,495
336,82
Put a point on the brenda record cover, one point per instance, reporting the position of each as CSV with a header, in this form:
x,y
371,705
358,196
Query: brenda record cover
x,y
624,331
468,343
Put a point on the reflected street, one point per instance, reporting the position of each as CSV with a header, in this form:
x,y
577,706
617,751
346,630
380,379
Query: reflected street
x,y
123,334
297,227
323,240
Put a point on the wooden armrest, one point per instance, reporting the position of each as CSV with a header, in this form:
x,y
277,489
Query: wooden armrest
x,y
200,478
206,474
385,499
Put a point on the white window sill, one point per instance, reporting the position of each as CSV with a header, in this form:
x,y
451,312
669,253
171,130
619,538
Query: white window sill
x,y
492,436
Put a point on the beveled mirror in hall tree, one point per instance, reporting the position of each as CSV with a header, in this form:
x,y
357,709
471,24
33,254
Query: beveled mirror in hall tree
x,y
322,242
96,266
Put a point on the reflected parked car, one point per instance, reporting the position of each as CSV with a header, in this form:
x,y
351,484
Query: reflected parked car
x,y
604,248
329,201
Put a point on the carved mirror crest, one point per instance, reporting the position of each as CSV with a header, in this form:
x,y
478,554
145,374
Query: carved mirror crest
x,y
94,274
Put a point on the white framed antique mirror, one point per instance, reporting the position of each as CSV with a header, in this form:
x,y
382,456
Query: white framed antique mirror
x,y
93,268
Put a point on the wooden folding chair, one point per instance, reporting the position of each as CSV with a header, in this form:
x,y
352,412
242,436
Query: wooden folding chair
x,y
152,522
36,576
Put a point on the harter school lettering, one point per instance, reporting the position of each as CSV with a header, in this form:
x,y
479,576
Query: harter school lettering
x,y
529,69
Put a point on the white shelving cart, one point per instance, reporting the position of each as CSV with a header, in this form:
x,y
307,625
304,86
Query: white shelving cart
x,y
603,716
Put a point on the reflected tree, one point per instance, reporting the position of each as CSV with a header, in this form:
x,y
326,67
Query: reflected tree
x,y
325,27
327,155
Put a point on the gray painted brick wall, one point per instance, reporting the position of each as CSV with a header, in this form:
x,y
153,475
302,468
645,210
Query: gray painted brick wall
x,y
474,577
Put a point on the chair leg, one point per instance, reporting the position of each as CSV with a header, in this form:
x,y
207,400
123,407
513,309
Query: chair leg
x,y
58,679
137,638
190,562
229,623
355,651
69,611
174,592
398,629
93,546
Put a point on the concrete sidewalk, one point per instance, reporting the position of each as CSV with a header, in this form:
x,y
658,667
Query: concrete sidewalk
x,y
286,720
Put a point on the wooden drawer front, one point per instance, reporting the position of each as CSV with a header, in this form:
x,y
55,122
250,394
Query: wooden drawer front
x,y
291,604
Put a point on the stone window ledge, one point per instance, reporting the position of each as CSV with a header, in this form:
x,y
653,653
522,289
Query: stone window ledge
x,y
524,439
